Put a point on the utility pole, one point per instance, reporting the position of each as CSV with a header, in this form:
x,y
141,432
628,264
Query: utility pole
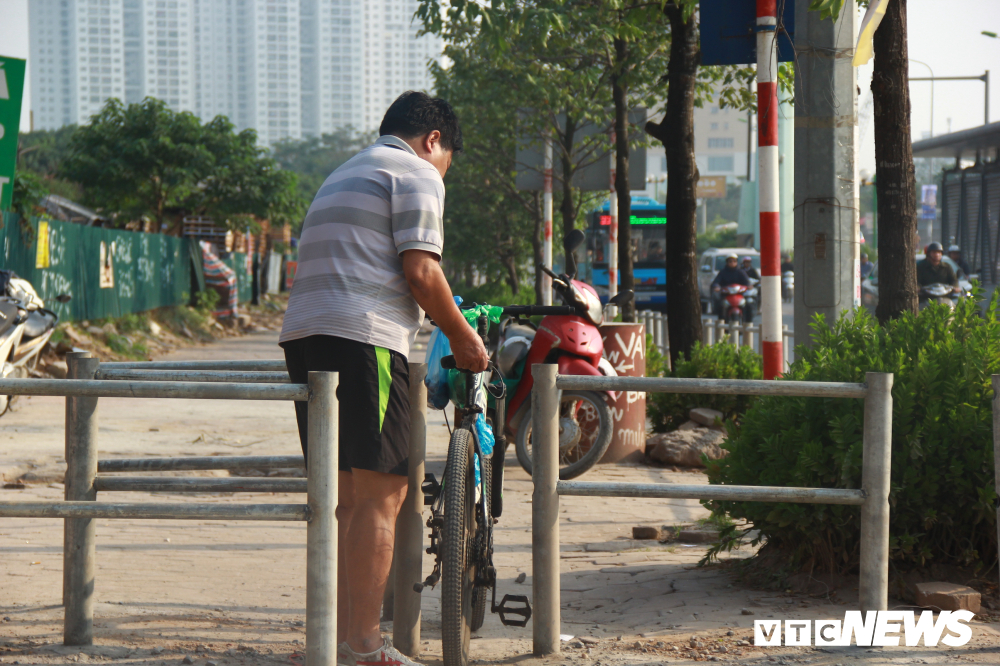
x,y
768,182
827,249
547,230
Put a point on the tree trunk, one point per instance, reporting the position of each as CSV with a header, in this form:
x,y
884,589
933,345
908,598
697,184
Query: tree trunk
x,y
509,262
568,205
537,245
897,209
620,94
677,134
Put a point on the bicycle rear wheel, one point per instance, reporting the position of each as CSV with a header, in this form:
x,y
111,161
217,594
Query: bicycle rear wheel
x,y
457,562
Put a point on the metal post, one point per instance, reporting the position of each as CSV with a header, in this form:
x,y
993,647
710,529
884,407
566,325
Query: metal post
x,y
734,333
873,584
408,550
545,510
79,533
321,532
706,332
720,330
768,186
748,336
996,443
785,347
547,222
613,235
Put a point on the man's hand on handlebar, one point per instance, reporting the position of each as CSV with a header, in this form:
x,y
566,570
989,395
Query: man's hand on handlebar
x,y
469,351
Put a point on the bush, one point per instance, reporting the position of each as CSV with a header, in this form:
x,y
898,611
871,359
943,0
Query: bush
x,y
206,301
656,363
668,411
942,488
497,293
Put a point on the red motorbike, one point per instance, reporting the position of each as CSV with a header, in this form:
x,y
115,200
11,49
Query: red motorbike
x,y
734,302
575,345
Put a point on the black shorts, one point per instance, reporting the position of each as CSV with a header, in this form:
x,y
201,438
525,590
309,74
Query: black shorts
x,y
374,398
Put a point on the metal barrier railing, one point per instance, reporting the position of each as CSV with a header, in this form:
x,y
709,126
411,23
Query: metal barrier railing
x,y
226,380
872,497
714,330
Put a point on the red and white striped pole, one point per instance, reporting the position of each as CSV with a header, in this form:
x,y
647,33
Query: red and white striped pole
x,y
547,231
767,181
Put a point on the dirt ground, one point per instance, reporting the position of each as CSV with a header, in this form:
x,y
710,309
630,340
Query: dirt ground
x,y
233,592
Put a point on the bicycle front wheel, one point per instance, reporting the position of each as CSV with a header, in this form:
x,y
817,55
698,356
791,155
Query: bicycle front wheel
x,y
458,563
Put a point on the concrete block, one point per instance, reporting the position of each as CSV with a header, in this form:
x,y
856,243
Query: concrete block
x,y
706,416
948,596
697,536
645,532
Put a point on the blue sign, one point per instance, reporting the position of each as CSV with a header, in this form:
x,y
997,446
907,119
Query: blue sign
x,y
729,32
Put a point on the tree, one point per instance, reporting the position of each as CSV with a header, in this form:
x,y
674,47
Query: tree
x,y
676,131
897,213
41,153
315,158
572,62
144,160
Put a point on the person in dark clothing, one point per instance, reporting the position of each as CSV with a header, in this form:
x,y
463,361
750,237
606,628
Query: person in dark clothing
x,y
749,269
730,274
866,266
955,254
786,264
934,271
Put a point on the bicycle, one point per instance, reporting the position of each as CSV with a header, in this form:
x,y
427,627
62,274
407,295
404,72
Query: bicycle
x,y
464,509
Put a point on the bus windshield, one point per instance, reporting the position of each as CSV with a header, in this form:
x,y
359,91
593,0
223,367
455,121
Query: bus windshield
x,y
648,244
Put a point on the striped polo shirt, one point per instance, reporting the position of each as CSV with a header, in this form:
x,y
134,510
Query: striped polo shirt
x,y
349,282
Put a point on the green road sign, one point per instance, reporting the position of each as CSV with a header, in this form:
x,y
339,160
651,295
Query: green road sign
x,y
11,90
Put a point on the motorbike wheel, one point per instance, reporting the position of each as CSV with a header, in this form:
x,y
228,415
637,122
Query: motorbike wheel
x,y
585,431
458,564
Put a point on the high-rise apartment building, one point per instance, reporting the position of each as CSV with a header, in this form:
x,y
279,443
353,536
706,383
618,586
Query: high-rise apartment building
x,y
287,68
77,59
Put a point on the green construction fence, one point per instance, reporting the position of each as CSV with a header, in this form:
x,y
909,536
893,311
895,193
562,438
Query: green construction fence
x,y
148,271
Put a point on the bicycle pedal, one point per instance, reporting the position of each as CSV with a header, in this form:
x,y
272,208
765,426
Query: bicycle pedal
x,y
431,489
524,612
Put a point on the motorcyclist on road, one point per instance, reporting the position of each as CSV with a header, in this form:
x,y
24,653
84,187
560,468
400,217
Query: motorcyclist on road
x,y
749,269
866,266
730,274
934,271
961,266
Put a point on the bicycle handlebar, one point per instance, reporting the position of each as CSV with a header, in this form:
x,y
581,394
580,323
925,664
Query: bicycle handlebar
x,y
533,310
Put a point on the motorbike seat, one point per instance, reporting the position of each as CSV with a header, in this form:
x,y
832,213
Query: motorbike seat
x,y
520,331
510,353
8,315
38,322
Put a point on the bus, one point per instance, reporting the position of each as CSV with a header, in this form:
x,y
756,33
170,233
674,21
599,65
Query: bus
x,y
649,243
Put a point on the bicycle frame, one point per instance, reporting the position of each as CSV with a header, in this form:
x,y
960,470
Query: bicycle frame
x,y
475,404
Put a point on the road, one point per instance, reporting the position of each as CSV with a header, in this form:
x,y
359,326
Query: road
x,y
233,593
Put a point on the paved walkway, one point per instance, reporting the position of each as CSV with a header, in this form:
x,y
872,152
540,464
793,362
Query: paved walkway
x,y
233,593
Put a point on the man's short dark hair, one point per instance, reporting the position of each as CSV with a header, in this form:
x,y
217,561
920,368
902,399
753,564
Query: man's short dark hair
x,y
415,114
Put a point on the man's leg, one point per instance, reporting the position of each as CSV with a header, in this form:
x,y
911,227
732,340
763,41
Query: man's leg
x,y
345,510
369,542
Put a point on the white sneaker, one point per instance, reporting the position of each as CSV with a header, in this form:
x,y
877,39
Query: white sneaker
x,y
384,656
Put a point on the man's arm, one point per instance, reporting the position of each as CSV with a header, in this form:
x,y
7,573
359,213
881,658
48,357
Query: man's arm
x,y
431,291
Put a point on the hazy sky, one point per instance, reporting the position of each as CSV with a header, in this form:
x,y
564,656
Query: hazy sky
x,y
945,34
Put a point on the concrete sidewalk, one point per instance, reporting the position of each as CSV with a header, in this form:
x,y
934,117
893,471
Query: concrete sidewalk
x,y
233,593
